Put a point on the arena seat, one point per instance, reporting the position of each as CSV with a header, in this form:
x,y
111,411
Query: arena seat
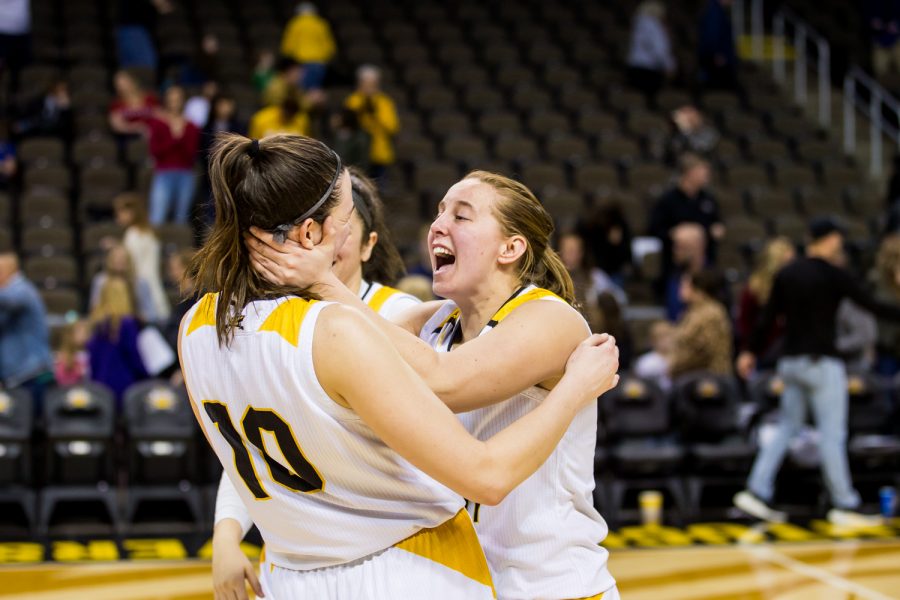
x,y
80,454
16,468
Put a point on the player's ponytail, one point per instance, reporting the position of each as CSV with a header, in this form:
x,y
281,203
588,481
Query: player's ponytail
x,y
267,184
521,213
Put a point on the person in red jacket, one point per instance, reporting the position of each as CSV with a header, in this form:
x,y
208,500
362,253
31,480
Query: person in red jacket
x,y
174,142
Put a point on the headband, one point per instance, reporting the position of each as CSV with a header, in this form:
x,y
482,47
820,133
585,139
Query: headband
x,y
280,232
362,208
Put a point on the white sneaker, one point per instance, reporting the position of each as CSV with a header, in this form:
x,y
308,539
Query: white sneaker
x,y
852,519
753,506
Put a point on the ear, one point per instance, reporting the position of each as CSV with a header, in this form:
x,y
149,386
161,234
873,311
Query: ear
x,y
365,253
512,250
307,234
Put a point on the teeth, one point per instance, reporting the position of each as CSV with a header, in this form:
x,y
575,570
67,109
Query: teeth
x,y
442,252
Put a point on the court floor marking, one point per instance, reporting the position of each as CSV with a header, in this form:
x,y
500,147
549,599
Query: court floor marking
x,y
769,554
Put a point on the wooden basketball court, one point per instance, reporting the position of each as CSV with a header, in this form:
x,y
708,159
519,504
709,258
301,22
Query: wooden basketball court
x,y
854,569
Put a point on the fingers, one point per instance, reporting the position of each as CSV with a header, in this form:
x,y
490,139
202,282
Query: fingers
x,y
250,573
266,269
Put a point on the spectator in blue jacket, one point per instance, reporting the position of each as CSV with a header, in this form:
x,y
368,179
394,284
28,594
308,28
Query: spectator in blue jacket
x,y
25,358
115,359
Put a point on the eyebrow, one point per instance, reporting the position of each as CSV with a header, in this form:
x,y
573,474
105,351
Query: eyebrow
x,y
443,204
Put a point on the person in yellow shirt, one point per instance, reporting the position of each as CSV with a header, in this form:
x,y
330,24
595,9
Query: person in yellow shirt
x,y
284,83
308,40
377,116
283,118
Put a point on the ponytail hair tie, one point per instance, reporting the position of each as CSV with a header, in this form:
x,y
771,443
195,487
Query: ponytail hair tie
x,y
253,149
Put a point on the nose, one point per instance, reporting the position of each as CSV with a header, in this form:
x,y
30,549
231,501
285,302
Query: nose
x,y
438,226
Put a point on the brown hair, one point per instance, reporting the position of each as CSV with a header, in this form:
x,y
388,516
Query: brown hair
x,y
114,304
263,183
134,202
385,265
887,262
521,213
769,263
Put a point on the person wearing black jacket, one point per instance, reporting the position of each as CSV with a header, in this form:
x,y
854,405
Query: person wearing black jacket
x,y
807,294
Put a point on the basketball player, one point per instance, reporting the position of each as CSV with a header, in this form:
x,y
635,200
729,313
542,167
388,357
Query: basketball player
x,y
321,455
367,262
510,325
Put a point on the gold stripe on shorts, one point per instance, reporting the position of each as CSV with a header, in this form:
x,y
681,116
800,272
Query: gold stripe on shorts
x,y
454,545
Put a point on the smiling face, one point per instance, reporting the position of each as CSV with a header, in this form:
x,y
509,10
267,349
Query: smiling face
x,y
465,239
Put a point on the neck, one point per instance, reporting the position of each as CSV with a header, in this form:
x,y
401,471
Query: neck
x,y
815,251
354,282
688,189
478,308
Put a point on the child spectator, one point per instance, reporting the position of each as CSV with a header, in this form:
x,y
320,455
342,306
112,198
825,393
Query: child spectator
x,y
114,357
72,363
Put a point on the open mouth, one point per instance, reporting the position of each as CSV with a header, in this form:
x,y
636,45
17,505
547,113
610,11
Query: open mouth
x,y
443,258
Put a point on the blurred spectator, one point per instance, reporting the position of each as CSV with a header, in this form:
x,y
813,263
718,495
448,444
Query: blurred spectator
x,y
774,256
808,293
196,109
143,248
688,258
118,264
222,117
418,286
264,70
284,118
72,363
892,200
179,277
590,282
377,116
47,115
883,19
174,143
9,166
205,64
887,290
15,35
717,54
703,338
349,140
113,350
131,107
692,133
857,334
308,40
135,26
654,365
283,83
608,237
687,202
25,358
612,321
650,57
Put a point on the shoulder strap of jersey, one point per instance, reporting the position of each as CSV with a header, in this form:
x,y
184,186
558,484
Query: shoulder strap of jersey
x,y
287,318
523,295
381,296
204,313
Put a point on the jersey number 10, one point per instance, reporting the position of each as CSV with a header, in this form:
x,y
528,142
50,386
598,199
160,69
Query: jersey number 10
x,y
302,476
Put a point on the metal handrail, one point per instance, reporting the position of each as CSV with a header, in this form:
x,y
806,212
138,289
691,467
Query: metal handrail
x,y
873,108
804,38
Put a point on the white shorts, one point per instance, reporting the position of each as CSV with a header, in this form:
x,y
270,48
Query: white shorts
x,y
442,563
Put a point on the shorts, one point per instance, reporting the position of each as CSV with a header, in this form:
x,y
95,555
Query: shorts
x,y
442,563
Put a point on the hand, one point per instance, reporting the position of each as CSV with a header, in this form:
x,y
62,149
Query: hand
x,y
231,568
594,364
745,364
291,263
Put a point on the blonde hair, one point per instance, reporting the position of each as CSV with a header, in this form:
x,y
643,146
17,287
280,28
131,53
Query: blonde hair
x,y
887,262
652,8
113,305
521,213
770,261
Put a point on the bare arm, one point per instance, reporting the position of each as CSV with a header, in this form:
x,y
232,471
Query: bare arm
x,y
529,347
409,418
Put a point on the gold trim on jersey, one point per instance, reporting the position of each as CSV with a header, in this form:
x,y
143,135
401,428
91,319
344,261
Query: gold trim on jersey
x,y
446,326
205,313
516,302
453,544
381,296
287,319
597,597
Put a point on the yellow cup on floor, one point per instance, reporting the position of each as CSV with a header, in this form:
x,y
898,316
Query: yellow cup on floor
x,y
651,504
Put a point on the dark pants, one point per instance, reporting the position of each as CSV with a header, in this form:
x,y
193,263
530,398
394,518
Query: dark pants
x,y
648,81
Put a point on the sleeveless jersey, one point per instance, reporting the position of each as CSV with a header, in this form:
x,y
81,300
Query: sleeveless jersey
x,y
542,541
386,301
320,486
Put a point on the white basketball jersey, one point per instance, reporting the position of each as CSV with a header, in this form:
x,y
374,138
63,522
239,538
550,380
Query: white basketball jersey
x,y
320,486
542,541
386,301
